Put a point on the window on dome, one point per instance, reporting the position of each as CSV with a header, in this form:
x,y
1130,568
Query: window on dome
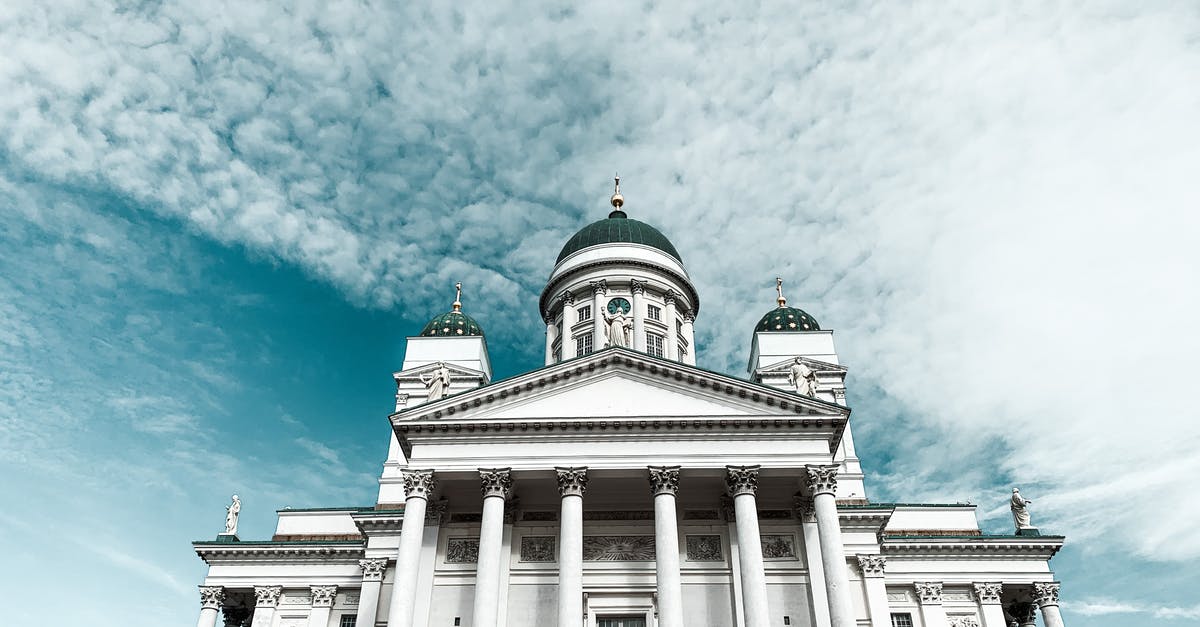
x,y
583,345
682,352
653,313
654,344
585,313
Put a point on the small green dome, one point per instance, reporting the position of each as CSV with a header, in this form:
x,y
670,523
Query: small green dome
x,y
618,228
453,324
787,319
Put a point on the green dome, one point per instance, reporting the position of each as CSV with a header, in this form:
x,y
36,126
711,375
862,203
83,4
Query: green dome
x,y
787,319
453,324
618,228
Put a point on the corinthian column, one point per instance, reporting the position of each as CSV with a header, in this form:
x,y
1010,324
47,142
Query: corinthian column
x,y
877,604
989,604
368,595
664,482
822,484
742,482
418,487
672,335
569,313
551,332
689,334
807,513
496,483
211,598
639,314
266,599
572,483
599,289
322,605
929,593
1046,595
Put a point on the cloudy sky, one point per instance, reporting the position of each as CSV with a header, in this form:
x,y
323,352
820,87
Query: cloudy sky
x,y
219,220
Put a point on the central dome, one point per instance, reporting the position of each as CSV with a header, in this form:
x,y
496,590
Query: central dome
x,y
618,228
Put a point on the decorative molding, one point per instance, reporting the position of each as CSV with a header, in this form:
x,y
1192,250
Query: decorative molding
x,y
1046,593
670,297
618,548
988,593
462,550
775,514
928,592
435,511
418,483
689,316
806,509
296,599
495,482
401,400
664,480
211,597
701,514
741,479
637,287
267,596
541,516
323,596
572,480
963,620
778,547
821,479
1042,547
567,297
537,548
871,565
957,594
373,569
638,514
350,600
704,549
598,287
242,552
899,596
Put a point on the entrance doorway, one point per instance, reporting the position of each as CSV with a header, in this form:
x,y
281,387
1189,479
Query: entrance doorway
x,y
621,621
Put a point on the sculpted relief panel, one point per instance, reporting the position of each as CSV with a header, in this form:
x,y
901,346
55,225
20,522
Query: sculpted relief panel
x,y
618,548
462,550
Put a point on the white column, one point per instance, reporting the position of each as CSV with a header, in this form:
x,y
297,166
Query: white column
x,y
322,605
639,314
266,599
929,593
877,604
551,332
1046,595
672,336
735,560
689,334
599,289
511,511
496,484
572,483
806,512
368,595
211,598
664,482
989,604
742,482
418,487
569,313
822,484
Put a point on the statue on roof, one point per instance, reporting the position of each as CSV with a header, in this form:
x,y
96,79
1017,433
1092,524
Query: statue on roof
x,y
617,327
231,516
437,384
1020,511
803,378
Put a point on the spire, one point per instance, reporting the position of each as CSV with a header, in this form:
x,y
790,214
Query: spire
x,y
779,290
617,200
457,306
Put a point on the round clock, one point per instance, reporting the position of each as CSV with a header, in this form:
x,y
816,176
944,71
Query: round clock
x,y
618,304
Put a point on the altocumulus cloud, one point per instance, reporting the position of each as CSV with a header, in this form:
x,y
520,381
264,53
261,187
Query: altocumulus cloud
x,y
995,205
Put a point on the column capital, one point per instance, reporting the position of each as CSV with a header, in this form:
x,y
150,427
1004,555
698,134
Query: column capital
x,y
637,287
871,565
821,479
988,593
929,592
434,511
267,596
548,318
373,569
664,480
418,483
567,297
211,597
741,479
598,288
323,596
689,316
572,480
670,297
1046,593
806,508
1025,613
495,482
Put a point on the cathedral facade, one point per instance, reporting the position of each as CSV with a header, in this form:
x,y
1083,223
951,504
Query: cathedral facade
x,y
619,485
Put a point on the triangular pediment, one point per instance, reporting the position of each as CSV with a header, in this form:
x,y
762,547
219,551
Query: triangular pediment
x,y
620,383
816,365
455,371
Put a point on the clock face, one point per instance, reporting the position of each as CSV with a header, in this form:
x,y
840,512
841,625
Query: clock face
x,y
618,304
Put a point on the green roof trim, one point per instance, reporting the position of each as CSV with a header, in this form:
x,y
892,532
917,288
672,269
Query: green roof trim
x,y
975,537
355,508
617,228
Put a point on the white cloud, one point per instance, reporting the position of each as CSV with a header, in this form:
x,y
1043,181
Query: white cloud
x,y
1104,607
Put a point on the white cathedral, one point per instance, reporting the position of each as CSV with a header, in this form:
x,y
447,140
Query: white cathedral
x,y
622,486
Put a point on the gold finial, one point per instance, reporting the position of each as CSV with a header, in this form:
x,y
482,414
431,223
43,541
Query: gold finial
x,y
617,199
457,297
779,290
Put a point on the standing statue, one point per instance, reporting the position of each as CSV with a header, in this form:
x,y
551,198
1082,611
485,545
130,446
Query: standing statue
x,y
1019,510
617,329
438,385
803,379
231,516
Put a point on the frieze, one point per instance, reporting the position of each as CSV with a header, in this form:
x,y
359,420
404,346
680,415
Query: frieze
x,y
618,548
539,516
774,514
537,548
462,550
962,620
899,596
701,514
619,515
296,599
350,600
466,517
704,549
778,547
957,594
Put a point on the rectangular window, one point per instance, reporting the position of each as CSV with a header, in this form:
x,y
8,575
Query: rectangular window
x,y
902,620
654,345
348,620
583,345
585,313
653,313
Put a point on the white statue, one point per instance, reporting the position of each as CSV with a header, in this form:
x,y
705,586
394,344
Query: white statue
x,y
617,329
231,516
1019,510
438,384
803,379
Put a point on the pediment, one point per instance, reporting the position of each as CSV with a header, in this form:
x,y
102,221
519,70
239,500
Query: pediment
x,y
816,365
456,371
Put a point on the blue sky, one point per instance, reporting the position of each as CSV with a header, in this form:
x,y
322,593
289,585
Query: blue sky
x,y
218,221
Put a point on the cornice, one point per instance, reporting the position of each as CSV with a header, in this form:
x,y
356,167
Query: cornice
x,y
969,546
371,523
297,551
